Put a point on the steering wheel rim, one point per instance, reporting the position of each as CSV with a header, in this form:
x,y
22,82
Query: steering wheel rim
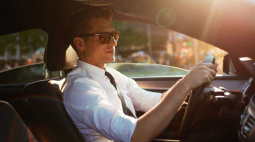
x,y
193,103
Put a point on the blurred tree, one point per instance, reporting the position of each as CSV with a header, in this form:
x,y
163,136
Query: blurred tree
x,y
28,41
133,38
130,39
159,42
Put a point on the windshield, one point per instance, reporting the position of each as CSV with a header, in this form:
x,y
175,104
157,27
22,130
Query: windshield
x,y
149,44
143,50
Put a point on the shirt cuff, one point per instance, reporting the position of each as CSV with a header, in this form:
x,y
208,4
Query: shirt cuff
x,y
125,129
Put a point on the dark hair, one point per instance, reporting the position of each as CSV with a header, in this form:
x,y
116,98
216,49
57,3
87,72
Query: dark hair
x,y
80,22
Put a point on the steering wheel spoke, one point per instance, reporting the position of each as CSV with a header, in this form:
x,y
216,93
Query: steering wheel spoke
x,y
193,104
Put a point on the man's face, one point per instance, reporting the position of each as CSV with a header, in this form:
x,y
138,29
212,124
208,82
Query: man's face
x,y
95,52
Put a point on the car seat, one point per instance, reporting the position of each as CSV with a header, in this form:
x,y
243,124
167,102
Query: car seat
x,y
12,128
51,121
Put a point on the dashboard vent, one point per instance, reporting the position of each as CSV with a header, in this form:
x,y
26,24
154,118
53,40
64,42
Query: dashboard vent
x,y
247,124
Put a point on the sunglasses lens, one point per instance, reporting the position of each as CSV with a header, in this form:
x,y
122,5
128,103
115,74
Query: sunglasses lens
x,y
105,37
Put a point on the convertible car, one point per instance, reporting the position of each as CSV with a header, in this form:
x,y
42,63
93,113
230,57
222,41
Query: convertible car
x,y
221,112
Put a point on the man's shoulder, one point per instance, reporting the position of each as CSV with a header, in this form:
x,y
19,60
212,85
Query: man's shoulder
x,y
78,75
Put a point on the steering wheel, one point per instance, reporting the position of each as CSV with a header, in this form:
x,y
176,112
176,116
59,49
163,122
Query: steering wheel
x,y
194,102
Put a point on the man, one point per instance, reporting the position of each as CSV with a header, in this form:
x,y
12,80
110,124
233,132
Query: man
x,y
94,102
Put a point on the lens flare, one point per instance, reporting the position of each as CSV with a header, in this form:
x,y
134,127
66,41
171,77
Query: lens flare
x,y
165,17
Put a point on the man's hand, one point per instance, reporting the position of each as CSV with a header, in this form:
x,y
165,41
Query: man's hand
x,y
202,73
150,125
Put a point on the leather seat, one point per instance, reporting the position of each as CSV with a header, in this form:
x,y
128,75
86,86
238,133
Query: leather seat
x,y
51,121
12,128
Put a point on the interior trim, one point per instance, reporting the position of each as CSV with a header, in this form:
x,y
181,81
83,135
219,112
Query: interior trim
x,y
174,78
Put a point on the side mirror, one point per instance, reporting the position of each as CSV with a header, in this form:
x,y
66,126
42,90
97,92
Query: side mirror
x,y
228,66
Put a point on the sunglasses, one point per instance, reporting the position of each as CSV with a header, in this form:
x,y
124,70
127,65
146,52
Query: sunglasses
x,y
105,37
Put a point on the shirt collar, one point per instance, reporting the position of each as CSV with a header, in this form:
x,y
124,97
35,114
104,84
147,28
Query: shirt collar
x,y
92,69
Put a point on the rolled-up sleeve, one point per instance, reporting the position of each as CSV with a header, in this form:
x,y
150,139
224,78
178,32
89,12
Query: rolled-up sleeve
x,y
143,100
87,103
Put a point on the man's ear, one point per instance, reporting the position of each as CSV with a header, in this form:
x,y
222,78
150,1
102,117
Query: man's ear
x,y
78,42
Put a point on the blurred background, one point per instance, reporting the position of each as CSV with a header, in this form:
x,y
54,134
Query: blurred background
x,y
138,43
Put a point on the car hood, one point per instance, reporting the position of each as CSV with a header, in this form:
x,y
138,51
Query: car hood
x,y
229,25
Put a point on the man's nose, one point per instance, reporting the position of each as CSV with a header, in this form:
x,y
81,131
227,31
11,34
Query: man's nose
x,y
112,42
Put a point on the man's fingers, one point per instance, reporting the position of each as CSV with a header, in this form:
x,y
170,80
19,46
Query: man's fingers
x,y
209,65
208,82
208,76
215,66
211,71
211,76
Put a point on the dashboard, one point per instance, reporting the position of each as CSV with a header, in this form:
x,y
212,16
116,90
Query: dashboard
x,y
247,125
248,117
228,104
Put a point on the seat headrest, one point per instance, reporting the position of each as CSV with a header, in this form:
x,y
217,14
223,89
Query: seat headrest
x,y
59,53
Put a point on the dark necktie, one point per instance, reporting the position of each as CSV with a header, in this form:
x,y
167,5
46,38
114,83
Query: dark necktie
x,y
126,110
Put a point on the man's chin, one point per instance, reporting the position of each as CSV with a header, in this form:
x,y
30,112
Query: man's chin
x,y
110,60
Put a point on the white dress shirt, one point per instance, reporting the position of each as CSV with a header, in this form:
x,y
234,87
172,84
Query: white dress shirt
x,y
95,108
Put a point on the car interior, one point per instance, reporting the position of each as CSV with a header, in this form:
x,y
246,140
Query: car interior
x,y
221,112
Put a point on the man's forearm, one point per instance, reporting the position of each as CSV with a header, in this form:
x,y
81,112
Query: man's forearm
x,y
152,123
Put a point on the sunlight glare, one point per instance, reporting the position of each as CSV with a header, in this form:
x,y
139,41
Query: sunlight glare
x,y
245,59
59,82
165,17
209,19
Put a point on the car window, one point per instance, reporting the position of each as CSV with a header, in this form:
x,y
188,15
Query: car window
x,y
26,74
21,57
150,44
143,50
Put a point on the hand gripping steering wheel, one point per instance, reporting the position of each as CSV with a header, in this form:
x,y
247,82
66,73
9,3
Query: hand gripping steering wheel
x,y
193,104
